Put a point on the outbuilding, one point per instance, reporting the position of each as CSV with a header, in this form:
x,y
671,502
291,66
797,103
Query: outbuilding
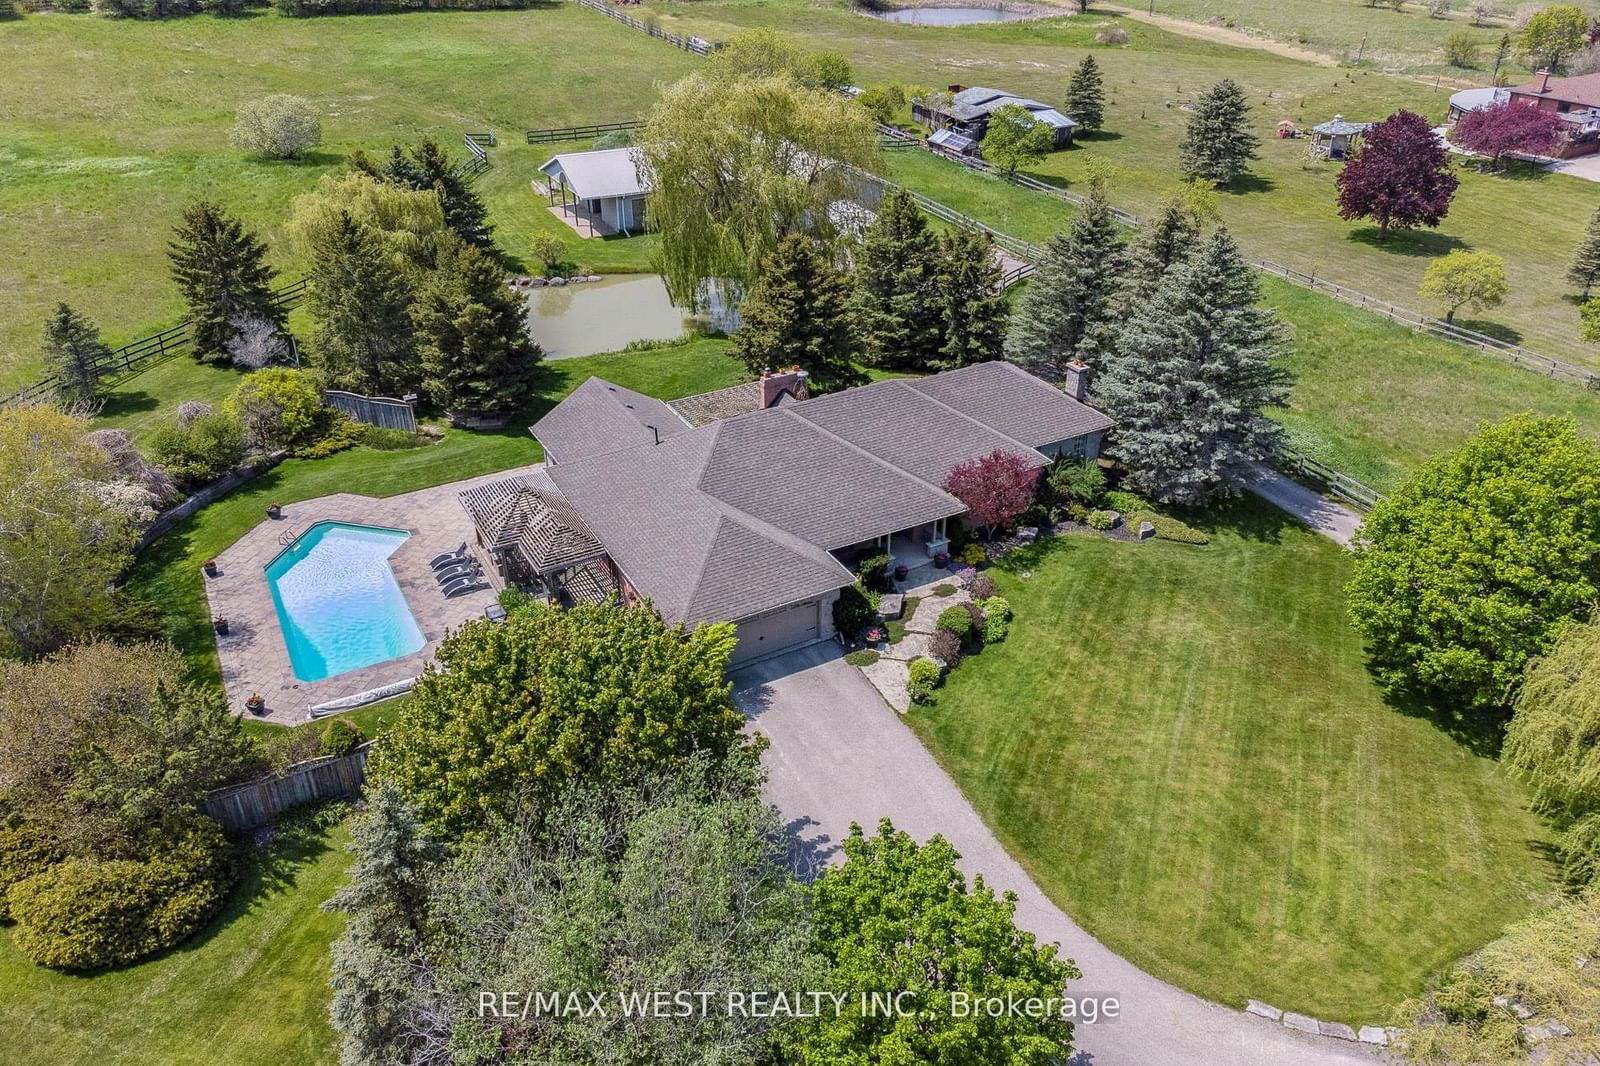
x,y
605,188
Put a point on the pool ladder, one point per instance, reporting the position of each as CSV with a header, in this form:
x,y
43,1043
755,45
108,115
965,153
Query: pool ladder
x,y
288,537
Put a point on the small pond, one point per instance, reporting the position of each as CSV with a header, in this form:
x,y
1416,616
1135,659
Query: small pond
x,y
952,16
608,315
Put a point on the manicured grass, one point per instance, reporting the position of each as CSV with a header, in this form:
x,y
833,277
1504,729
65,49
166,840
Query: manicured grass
x,y
168,573
1285,211
1184,748
249,990
111,127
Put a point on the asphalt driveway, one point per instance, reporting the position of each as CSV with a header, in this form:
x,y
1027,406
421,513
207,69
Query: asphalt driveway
x,y
839,754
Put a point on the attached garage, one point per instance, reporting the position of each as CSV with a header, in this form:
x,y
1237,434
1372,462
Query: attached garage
x,y
782,630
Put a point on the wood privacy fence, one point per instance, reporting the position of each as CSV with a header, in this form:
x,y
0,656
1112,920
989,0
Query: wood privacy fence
x,y
146,350
575,133
382,411
699,46
245,807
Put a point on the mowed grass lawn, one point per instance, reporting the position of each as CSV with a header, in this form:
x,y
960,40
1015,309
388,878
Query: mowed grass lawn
x,y
109,128
249,990
1183,747
1286,210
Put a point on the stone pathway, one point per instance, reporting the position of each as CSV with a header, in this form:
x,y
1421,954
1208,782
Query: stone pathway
x,y
890,675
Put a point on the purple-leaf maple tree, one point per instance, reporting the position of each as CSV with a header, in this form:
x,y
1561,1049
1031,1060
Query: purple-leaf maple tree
x,y
995,489
1508,127
1400,176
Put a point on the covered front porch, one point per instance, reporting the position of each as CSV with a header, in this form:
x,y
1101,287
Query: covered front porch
x,y
914,548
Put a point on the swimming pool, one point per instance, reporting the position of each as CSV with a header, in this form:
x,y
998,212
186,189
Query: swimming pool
x,y
339,605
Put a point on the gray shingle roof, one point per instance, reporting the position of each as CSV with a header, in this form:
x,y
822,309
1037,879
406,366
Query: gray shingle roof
x,y
601,417
1013,402
704,408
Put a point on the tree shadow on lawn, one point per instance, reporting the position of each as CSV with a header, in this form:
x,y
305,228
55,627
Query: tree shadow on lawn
x,y
1413,242
1247,517
1479,731
1247,183
1497,330
117,403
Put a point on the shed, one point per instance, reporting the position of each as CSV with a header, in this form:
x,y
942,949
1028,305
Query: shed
x,y
952,142
607,187
1337,139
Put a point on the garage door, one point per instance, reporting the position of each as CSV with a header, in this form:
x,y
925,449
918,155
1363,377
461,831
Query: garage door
x,y
781,630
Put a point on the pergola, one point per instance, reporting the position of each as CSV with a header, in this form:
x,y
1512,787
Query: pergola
x,y
1337,138
535,537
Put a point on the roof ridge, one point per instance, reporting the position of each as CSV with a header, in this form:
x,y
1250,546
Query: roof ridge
x,y
795,411
975,421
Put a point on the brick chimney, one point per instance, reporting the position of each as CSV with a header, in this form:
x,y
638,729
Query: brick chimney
x,y
1077,383
774,385
1544,81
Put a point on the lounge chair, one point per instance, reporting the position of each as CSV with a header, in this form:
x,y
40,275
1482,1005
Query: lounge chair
x,y
450,558
462,586
450,573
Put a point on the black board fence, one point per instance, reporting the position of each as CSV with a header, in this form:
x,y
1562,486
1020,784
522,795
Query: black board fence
x,y
478,145
1358,494
242,808
556,134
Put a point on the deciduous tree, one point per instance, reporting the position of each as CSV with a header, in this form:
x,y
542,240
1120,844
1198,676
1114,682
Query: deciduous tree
x,y
1552,35
1071,292
1189,379
995,489
1400,176
425,166
1015,138
1086,95
360,300
73,353
1508,127
801,313
897,271
408,223
975,307
1217,143
221,269
1477,562
279,127
276,406
1462,278
472,336
884,102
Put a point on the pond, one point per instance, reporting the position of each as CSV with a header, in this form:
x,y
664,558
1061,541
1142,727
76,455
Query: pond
x,y
609,314
952,16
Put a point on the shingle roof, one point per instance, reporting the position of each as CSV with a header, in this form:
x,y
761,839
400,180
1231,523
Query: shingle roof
x,y
595,175
1339,126
600,417
1583,90
1014,402
541,526
704,408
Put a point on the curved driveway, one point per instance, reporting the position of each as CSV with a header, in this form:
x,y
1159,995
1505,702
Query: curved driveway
x,y
839,754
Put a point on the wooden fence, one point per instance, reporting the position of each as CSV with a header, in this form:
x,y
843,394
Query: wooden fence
x,y
478,145
146,350
382,411
245,807
577,133
1356,493
697,45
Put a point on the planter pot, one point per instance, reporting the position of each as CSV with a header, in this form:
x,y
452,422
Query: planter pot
x,y
901,572
220,625
211,568
941,561
274,511
255,705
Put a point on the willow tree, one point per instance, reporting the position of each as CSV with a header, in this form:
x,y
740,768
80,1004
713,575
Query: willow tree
x,y
409,223
736,164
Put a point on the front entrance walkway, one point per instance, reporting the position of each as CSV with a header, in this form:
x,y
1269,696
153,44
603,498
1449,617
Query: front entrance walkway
x,y
838,755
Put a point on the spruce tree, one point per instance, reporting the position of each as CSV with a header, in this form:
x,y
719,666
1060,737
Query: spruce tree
x,y
1217,143
72,352
1189,378
897,272
1086,95
975,307
359,299
1585,268
1164,240
472,336
800,313
221,269
1071,293
426,166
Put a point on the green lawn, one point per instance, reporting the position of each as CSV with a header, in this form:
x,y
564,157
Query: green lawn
x,y
110,127
168,573
1285,212
1183,747
249,990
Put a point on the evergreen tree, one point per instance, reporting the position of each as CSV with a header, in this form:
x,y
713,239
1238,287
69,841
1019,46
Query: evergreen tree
x,y
1217,144
975,307
221,269
1585,268
376,959
426,166
359,300
72,352
897,271
472,334
1086,95
800,314
1070,296
1191,373
1164,241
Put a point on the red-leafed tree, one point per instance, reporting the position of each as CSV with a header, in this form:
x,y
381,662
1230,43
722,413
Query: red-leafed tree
x,y
1508,127
996,489
1400,177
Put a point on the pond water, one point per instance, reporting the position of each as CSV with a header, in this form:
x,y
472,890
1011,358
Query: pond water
x,y
951,16
607,315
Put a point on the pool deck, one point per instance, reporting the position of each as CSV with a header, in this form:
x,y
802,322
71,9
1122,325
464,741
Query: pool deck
x,y
253,655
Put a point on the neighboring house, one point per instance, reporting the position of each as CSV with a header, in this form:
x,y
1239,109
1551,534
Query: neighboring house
x,y
1576,100
1469,100
606,185
752,504
969,110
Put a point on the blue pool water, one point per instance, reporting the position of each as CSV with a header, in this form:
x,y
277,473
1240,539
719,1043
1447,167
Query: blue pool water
x,y
338,602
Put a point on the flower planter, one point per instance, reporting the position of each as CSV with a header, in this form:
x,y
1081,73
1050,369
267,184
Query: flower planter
x,y
220,625
274,510
902,572
256,704
211,568
941,560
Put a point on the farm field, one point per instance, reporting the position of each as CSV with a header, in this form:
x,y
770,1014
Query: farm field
x,y
1285,212
1184,748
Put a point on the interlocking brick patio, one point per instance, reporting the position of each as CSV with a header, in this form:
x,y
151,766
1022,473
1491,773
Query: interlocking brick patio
x,y
253,655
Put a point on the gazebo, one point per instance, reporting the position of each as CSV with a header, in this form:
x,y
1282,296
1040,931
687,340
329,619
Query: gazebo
x,y
1336,139
534,537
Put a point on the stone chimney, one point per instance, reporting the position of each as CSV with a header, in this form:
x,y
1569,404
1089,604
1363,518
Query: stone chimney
x,y
774,385
1077,383
1544,81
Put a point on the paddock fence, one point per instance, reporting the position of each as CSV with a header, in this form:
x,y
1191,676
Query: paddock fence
x,y
478,145
242,808
1357,493
556,134
384,412
145,351
698,45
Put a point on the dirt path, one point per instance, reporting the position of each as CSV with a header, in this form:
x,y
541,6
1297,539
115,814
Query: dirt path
x,y
1219,34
